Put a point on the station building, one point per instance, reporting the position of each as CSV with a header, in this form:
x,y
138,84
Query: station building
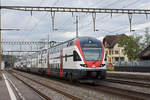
x,y
114,53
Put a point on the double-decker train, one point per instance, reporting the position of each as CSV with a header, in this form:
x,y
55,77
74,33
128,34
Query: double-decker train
x,y
80,59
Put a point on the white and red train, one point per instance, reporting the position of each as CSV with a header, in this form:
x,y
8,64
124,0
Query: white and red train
x,y
79,58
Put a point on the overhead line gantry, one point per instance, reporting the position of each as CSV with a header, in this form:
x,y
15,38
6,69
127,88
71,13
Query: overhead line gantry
x,y
83,10
18,51
80,10
51,43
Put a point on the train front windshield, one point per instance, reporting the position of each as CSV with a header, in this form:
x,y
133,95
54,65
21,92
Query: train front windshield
x,y
91,54
92,49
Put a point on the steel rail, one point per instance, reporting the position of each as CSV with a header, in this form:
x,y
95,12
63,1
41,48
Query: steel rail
x,y
140,84
57,90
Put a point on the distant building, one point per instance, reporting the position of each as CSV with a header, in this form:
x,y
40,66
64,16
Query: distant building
x,y
145,54
114,53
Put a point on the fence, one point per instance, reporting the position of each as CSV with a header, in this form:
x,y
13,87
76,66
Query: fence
x,y
135,63
135,66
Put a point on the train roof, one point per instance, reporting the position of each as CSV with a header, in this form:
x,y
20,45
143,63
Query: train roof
x,y
84,37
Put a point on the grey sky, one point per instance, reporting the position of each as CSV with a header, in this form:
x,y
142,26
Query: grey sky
x,y
38,25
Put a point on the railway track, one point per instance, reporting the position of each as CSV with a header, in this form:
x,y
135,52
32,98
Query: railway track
x,y
49,87
134,95
127,82
123,92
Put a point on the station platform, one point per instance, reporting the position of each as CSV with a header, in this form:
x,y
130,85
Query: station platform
x,y
4,95
130,75
13,89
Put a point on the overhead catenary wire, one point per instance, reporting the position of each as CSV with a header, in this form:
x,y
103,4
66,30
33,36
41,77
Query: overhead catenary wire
x,y
41,18
30,18
99,2
115,16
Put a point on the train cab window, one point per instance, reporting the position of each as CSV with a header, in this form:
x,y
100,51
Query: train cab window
x,y
76,57
71,43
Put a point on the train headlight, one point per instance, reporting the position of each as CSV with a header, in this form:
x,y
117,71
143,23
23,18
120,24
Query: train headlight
x,y
83,65
102,65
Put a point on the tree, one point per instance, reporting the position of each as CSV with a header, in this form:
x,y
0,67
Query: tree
x,y
131,46
134,44
146,39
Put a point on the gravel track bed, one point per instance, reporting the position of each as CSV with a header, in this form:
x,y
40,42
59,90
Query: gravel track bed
x,y
85,94
132,80
129,75
50,93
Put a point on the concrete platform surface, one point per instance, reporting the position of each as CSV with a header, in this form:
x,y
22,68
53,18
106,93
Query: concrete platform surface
x,y
13,89
4,95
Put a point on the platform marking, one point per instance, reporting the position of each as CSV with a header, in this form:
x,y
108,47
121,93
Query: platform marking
x,y
11,93
21,96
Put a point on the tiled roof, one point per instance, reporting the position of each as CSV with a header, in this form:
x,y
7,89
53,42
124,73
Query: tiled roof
x,y
111,40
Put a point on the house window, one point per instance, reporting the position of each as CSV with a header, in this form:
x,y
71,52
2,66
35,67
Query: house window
x,y
112,52
109,52
122,59
106,52
116,58
116,52
109,59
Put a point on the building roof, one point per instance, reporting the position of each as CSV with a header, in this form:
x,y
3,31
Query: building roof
x,y
111,40
145,54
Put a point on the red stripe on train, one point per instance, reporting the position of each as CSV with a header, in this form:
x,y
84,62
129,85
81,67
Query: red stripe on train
x,y
80,50
103,52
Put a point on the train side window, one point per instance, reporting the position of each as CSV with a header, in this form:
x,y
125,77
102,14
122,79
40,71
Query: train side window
x,y
66,58
76,57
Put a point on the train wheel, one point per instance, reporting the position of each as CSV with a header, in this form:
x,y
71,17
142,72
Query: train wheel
x,y
103,76
93,83
67,77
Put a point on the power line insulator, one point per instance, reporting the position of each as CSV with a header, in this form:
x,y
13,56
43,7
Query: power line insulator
x,y
53,20
31,13
146,16
94,20
130,20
